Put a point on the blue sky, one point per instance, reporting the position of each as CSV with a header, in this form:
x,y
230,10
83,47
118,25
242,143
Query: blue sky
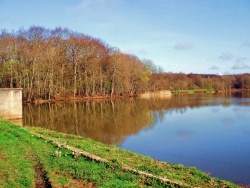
x,y
189,36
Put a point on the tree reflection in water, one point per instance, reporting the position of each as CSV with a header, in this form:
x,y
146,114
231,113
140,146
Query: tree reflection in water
x,y
111,121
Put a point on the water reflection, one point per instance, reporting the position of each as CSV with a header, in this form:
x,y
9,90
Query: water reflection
x,y
105,121
111,122
209,131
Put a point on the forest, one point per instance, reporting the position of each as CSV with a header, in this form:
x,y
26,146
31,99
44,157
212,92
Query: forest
x,y
50,63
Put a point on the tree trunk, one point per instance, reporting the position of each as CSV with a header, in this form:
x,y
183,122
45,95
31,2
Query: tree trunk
x,y
75,77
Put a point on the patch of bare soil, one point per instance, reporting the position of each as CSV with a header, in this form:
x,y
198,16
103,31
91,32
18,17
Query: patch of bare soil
x,y
42,179
2,157
244,186
80,184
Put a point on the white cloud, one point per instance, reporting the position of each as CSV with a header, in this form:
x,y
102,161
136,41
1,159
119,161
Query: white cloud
x,y
214,67
135,51
128,51
142,52
89,4
240,64
245,44
183,46
241,60
84,5
226,56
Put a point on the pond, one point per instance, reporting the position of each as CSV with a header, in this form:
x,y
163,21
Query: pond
x,y
208,131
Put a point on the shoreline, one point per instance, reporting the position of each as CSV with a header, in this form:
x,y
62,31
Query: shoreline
x,y
51,148
108,97
79,98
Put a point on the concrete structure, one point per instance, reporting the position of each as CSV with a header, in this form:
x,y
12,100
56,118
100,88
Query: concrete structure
x,y
11,103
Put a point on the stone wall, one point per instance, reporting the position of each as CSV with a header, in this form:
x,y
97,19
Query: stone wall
x,y
11,103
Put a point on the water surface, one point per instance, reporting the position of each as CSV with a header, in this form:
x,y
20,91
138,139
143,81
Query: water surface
x,y
210,132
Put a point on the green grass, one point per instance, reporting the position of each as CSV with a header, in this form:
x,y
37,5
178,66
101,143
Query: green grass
x,y
191,91
20,152
15,170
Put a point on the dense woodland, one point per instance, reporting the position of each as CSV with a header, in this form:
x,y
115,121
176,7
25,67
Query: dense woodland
x,y
48,63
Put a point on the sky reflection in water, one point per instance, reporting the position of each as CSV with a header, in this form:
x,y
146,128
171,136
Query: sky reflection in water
x,y
212,138
210,132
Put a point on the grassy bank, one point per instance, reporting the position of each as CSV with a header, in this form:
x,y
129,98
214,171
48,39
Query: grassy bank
x,y
192,91
33,157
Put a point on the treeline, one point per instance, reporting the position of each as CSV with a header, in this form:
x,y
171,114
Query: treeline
x,y
48,63
180,81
